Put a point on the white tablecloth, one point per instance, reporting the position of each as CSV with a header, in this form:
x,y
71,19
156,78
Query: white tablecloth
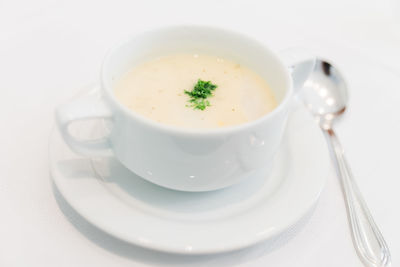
x,y
48,49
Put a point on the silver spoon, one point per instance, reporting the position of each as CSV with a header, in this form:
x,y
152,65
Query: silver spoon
x,y
325,95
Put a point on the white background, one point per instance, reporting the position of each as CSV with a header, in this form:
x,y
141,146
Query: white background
x,y
48,49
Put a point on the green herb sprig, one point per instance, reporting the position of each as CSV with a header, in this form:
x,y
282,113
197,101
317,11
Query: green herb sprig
x,y
198,96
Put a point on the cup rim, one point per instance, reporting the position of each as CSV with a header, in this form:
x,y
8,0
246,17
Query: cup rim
x,y
193,131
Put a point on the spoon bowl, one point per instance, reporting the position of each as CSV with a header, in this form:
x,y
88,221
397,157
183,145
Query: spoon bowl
x,y
325,93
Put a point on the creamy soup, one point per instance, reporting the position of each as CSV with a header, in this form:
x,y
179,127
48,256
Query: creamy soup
x,y
156,90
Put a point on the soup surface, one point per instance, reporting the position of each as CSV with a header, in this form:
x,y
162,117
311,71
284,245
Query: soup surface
x,y
156,90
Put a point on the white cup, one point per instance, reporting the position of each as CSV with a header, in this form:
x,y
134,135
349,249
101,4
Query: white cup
x,y
181,158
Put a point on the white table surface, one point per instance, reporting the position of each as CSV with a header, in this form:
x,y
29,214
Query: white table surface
x,y
48,49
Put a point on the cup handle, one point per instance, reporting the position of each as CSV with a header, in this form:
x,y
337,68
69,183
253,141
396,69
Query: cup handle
x,y
87,107
300,63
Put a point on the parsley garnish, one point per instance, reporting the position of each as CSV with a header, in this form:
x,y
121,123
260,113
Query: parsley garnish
x,y
199,94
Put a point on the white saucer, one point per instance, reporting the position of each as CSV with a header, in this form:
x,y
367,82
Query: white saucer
x,y
139,212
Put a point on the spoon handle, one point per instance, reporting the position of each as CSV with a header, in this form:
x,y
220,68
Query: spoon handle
x,y
368,240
